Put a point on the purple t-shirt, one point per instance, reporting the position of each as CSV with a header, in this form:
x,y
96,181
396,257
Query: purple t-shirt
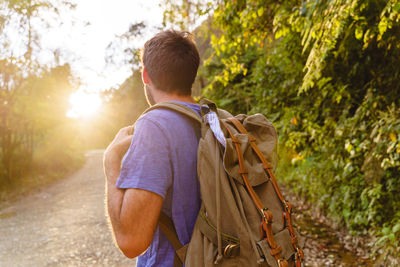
x,y
162,158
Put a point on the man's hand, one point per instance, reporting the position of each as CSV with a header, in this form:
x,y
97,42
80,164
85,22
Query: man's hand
x,y
121,142
115,152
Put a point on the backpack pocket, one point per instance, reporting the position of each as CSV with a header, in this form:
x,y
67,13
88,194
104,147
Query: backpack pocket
x,y
283,239
203,246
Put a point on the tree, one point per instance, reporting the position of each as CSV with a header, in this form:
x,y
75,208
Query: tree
x,y
122,51
185,14
32,95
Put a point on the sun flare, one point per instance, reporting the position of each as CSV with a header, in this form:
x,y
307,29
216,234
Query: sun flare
x,y
83,104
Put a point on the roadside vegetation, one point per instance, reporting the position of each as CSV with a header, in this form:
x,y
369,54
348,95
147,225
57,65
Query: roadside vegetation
x,y
39,143
327,73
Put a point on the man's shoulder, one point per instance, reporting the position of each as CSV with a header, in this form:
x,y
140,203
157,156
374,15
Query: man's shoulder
x,y
165,118
159,117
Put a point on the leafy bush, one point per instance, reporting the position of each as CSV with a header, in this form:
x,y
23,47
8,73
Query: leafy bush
x,y
327,73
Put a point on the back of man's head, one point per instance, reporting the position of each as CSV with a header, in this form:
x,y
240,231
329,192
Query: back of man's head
x,y
171,59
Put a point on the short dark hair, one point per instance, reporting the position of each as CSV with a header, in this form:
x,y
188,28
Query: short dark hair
x,y
171,59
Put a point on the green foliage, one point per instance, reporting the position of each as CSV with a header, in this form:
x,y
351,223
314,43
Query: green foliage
x,y
327,73
31,109
183,14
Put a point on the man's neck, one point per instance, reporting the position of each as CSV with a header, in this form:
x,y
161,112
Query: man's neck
x,y
165,97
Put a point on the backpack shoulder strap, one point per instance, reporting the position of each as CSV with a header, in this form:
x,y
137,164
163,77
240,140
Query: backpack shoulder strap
x,y
167,227
176,107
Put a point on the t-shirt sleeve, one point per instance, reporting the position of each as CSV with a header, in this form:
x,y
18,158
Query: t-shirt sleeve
x,y
147,164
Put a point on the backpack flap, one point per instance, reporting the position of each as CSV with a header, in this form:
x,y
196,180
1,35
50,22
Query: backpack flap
x,y
266,139
283,238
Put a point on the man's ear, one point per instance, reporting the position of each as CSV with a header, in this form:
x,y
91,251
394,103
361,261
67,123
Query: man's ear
x,y
145,76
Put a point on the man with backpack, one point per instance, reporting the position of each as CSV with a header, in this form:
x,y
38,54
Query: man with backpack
x,y
159,166
181,150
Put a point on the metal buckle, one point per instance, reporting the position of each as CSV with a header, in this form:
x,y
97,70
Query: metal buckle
x,y
262,212
228,250
298,252
263,215
287,207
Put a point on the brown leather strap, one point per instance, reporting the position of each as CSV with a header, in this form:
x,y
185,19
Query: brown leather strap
x,y
266,221
243,171
267,167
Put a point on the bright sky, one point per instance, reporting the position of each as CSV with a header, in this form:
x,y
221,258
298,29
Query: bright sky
x,y
83,38
95,25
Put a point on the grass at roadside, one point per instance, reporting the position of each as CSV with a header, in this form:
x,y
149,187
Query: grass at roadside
x,y
37,179
315,180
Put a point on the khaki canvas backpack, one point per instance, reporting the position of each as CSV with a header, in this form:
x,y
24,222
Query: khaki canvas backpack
x,y
244,220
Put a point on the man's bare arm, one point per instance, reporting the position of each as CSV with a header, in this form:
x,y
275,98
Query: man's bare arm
x,y
133,212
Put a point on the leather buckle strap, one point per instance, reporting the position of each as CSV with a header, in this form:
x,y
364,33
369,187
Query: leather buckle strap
x,y
269,254
288,206
299,256
267,215
282,263
276,250
300,252
243,171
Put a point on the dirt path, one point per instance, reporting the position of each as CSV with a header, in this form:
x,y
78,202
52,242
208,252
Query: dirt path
x,y
325,246
64,225
61,225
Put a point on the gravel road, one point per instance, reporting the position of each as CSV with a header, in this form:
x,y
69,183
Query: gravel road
x,y
61,225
